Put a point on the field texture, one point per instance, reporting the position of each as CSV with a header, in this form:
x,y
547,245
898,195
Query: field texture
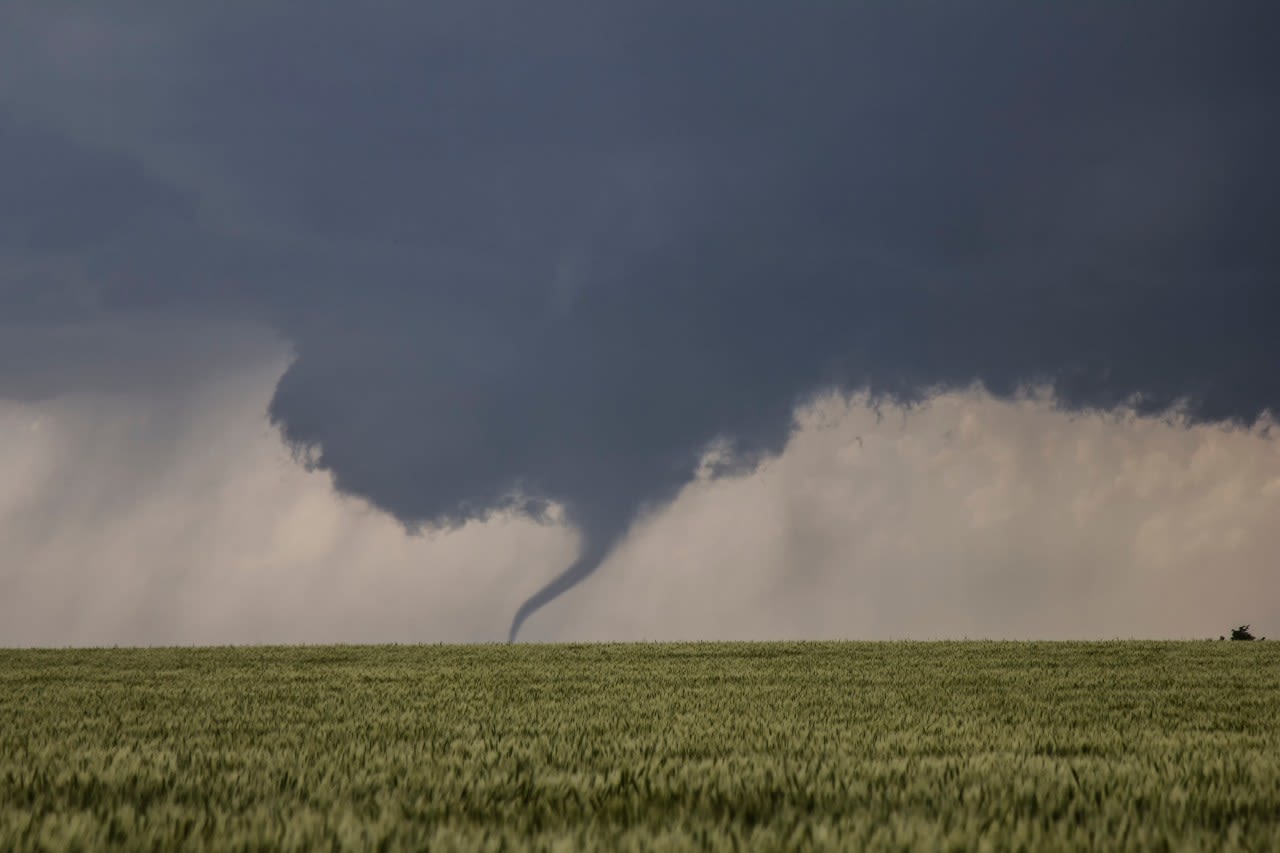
x,y
931,746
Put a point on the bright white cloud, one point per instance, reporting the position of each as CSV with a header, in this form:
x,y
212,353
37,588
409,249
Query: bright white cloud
x,y
964,517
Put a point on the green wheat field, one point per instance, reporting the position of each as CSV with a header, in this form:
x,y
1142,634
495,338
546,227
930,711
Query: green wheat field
x,y
769,746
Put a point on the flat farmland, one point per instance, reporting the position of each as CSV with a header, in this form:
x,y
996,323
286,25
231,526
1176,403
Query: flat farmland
x,y
770,746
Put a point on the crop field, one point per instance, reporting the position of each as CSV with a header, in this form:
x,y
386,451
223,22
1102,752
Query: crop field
x,y
771,746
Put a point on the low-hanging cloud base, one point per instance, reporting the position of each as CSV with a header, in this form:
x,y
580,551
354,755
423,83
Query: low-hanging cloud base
x,y
966,516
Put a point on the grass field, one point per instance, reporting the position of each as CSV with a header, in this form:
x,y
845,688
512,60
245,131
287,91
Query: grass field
x,y
964,745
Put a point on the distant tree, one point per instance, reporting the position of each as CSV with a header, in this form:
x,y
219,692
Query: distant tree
x,y
1242,633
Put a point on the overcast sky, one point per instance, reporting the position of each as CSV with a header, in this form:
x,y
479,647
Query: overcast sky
x,y
651,320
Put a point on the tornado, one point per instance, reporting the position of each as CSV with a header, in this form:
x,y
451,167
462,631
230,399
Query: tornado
x,y
599,537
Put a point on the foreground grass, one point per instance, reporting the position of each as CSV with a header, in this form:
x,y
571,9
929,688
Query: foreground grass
x,y
960,746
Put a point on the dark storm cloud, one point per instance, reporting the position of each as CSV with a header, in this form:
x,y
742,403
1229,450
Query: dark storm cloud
x,y
550,252
62,207
58,197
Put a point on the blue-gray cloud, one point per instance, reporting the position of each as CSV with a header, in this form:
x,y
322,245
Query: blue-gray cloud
x,y
531,253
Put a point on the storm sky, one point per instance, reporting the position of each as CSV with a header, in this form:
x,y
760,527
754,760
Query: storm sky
x,y
646,320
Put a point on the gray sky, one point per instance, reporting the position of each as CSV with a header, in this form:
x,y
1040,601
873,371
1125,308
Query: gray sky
x,y
504,276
